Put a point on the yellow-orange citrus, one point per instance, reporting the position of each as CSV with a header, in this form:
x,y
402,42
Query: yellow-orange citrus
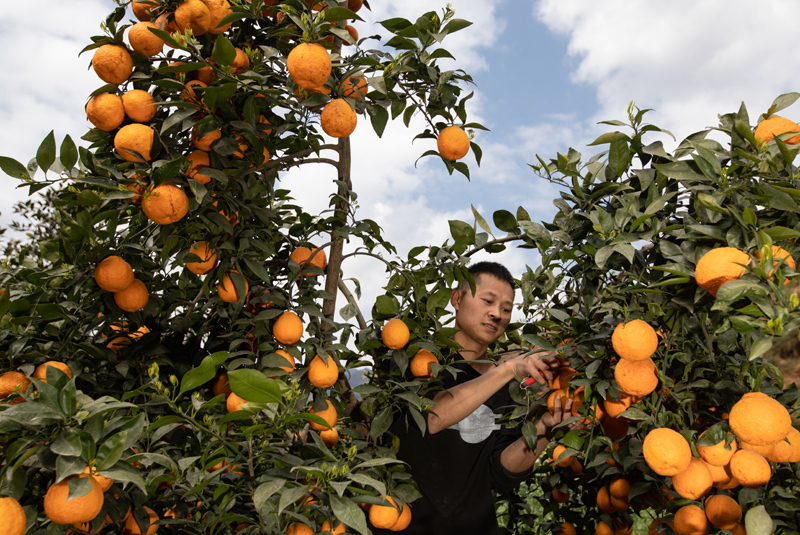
x,y
326,528
13,382
603,529
693,482
690,520
218,9
298,528
132,526
112,63
750,468
113,274
165,204
778,254
104,482
193,15
666,452
40,372
141,8
13,515
759,419
105,111
289,367
384,516
329,436
723,511
562,378
338,119
207,258
718,266
634,340
323,373
302,255
775,126
722,477
83,509
328,414
309,65
421,363
204,143
717,454
557,451
619,487
787,450
603,500
133,298
140,106
198,160
636,377
240,63
288,328
566,529
395,333
234,403
614,408
404,520
560,496
453,143
221,385
143,40
134,138
226,289
355,87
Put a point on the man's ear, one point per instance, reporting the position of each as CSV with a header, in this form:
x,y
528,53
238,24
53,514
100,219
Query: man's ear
x,y
455,297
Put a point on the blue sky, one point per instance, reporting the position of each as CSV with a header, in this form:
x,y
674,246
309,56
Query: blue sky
x,y
547,72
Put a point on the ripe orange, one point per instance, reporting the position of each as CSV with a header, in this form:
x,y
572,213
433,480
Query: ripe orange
x,y
207,256
132,526
395,333
323,373
221,385
421,363
384,516
133,298
13,515
562,378
787,450
355,87
603,500
309,65
240,63
204,143
104,482
559,496
234,403
723,511
140,106
718,266
693,482
634,340
141,8
566,529
758,419
636,377
750,468
83,509
288,328
189,93
113,274
143,40
354,5
302,254
326,527
619,487
603,529
165,203
112,63
352,31
13,382
226,290
453,143
666,452
330,437
722,477
554,395
778,254
218,9
133,138
105,111
557,451
613,407
717,454
298,528
329,415
41,371
404,520
690,520
765,450
198,160
193,15
775,126
338,119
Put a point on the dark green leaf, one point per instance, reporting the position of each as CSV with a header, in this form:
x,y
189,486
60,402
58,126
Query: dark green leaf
x,y
13,168
46,154
68,153
505,221
203,373
348,512
111,450
378,117
254,386
224,52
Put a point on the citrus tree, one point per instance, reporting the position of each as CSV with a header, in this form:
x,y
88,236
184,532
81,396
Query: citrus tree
x,y
173,355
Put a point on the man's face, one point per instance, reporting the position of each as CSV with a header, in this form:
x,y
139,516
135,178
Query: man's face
x,y
484,316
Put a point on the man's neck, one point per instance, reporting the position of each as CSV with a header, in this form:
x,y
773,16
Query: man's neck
x,y
472,351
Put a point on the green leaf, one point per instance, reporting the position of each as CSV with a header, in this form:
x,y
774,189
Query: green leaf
x,y
78,487
438,300
536,231
760,347
378,117
68,443
125,475
711,203
387,304
46,154
348,512
455,25
783,102
203,373
265,490
224,52
610,137
505,221
481,221
254,386
619,157
381,422
13,168
778,233
758,522
68,153
111,450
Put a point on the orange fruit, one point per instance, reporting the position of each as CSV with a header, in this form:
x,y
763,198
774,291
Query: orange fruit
x,y
559,496
759,419
603,500
83,509
636,377
619,487
113,274
717,454
634,340
221,385
13,515
603,529
404,520
384,516
190,95
566,529
207,256
750,468
452,143
288,328
775,126
218,9
13,382
765,450
132,526
562,378
133,298
112,63
309,65
141,8
105,111
204,143
614,408
718,266
133,138
395,333
352,31
226,290
323,373
421,363
329,415
234,403
326,527
301,255
165,204
240,63
193,15
723,511
329,436
355,87
289,358
198,160
787,450
354,5
690,520
557,451
722,477
41,371
666,452
778,254
338,119
104,482
298,528
738,529
140,106
693,482
551,400
143,40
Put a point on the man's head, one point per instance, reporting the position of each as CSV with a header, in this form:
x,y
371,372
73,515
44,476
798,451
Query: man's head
x,y
483,316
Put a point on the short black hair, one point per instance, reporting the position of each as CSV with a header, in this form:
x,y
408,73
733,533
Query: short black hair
x,y
494,269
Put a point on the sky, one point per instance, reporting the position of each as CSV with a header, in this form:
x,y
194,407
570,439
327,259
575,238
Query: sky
x,y
546,72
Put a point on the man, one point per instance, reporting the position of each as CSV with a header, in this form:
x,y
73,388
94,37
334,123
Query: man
x,y
466,453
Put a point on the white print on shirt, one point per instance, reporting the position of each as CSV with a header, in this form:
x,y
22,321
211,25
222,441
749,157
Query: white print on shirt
x,y
477,426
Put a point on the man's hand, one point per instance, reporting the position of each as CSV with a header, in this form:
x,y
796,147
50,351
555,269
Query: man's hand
x,y
541,366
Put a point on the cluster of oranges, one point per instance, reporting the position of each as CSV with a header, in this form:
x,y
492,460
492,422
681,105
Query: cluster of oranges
x,y
114,274
395,335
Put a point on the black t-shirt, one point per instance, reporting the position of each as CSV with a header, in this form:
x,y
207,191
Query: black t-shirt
x,y
457,468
